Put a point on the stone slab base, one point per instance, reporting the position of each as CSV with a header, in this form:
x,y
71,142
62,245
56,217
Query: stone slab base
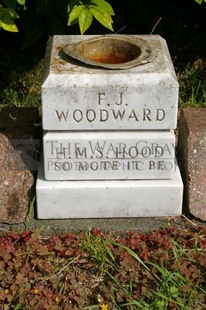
x,y
108,199
192,158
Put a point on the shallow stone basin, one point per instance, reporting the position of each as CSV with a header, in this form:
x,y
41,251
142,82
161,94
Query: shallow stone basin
x,y
112,51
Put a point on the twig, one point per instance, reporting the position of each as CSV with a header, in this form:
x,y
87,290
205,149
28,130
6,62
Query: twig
x,y
72,261
153,29
118,31
189,220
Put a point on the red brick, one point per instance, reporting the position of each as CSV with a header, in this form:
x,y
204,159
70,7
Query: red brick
x,y
192,158
16,179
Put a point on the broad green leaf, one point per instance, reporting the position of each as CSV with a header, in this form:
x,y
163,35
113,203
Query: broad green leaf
x,y
85,20
103,5
102,16
21,2
8,13
199,1
8,25
75,13
174,291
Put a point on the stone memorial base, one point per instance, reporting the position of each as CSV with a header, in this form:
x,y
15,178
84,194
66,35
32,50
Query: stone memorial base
x,y
108,198
109,144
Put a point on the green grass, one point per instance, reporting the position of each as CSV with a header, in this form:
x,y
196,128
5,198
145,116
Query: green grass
x,y
20,84
192,81
167,288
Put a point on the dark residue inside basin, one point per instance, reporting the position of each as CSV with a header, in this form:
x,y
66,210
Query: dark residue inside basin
x,y
110,52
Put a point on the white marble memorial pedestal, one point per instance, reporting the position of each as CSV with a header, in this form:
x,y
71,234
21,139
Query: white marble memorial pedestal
x,y
109,144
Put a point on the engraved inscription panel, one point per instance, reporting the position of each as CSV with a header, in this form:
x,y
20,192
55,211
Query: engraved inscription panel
x,y
86,109
140,155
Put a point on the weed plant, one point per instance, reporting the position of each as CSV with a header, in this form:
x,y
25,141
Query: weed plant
x,y
165,269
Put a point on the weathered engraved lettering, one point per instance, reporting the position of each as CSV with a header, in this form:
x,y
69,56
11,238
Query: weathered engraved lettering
x,y
100,97
65,166
159,151
133,152
109,155
115,165
51,143
146,113
160,115
94,166
110,115
97,148
120,99
81,153
49,164
77,116
81,166
161,165
138,165
62,115
118,115
167,149
90,115
111,149
169,165
119,166
104,115
146,151
105,149
133,116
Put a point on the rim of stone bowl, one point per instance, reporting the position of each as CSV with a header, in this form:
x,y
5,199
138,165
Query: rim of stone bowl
x,y
136,50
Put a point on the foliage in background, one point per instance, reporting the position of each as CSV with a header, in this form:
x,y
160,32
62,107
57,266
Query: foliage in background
x,y
200,1
165,269
8,14
81,12
84,11
77,11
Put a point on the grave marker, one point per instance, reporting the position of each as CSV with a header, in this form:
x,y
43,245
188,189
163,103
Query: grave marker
x,y
109,144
